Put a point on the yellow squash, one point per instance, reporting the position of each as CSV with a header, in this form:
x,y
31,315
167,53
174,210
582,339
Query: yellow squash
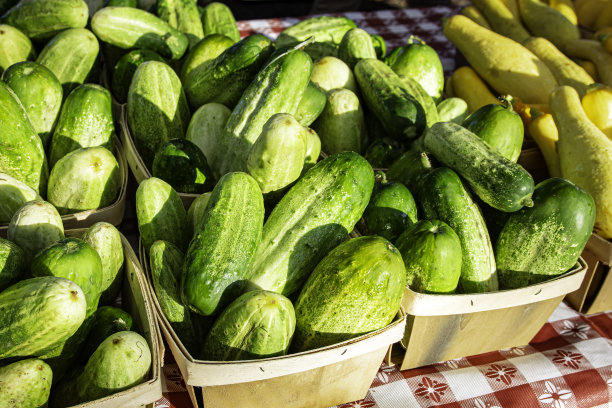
x,y
585,154
501,19
513,7
594,52
547,22
605,18
467,85
565,7
589,67
475,14
589,12
507,66
543,131
597,104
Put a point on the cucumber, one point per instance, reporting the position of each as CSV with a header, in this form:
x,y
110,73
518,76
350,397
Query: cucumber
x,y
197,209
12,263
224,79
206,127
313,149
332,73
259,324
5,5
42,19
545,240
311,105
122,3
277,88
387,97
25,383
380,47
13,194
500,127
15,47
356,45
443,197
106,321
341,126
499,182
157,108
313,217
209,48
217,18
409,168
71,56
37,313
432,256
86,120
161,214
221,254
357,288
124,70
128,27
40,93
382,153
453,110
423,98
184,16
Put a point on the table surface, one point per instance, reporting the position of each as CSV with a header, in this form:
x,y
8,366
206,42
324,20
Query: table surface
x,y
568,364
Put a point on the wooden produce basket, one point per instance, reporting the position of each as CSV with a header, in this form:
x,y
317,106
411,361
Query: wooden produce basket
x,y
445,327
313,379
595,293
139,169
136,301
112,213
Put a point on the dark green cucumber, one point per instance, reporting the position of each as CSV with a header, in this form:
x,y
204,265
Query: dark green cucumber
x,y
40,93
545,240
499,182
443,197
25,383
217,18
390,211
387,97
12,263
311,105
382,153
184,16
357,288
166,264
209,48
380,47
326,30
356,45
277,88
313,217
71,56
124,70
423,98
106,321
86,120
15,47
42,19
432,256
409,168
259,324
224,79
122,3
500,127
221,254
128,27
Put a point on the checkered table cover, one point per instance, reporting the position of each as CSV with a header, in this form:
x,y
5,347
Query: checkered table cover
x,y
567,365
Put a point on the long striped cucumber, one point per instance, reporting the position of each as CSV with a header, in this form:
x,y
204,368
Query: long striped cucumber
x,y
217,18
184,16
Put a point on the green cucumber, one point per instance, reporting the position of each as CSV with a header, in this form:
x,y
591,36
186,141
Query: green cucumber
x,y
184,16
157,108
106,321
311,105
15,47
128,27
166,262
221,254
499,182
182,164
453,110
38,313
206,127
12,263
356,45
13,194
423,98
382,153
86,120
71,56
313,217
332,73
500,127
124,70
432,256
122,3
277,88
357,288
313,149
84,179
217,18
224,79
195,214
443,197
40,93
387,97
209,48
161,214
409,168
545,240
42,19
25,384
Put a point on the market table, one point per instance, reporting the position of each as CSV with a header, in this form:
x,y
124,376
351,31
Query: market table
x,y
569,362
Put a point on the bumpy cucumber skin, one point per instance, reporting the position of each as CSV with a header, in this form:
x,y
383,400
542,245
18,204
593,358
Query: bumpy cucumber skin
x,y
432,255
423,98
128,27
42,19
311,105
383,152
390,211
409,168
545,240
184,16
56,305
25,384
357,288
217,18
443,197
206,127
40,93
15,47
386,95
157,108
195,214
313,217
499,182
106,321
124,70
13,195
313,149
221,254
259,324
452,110
12,263
356,45
209,48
